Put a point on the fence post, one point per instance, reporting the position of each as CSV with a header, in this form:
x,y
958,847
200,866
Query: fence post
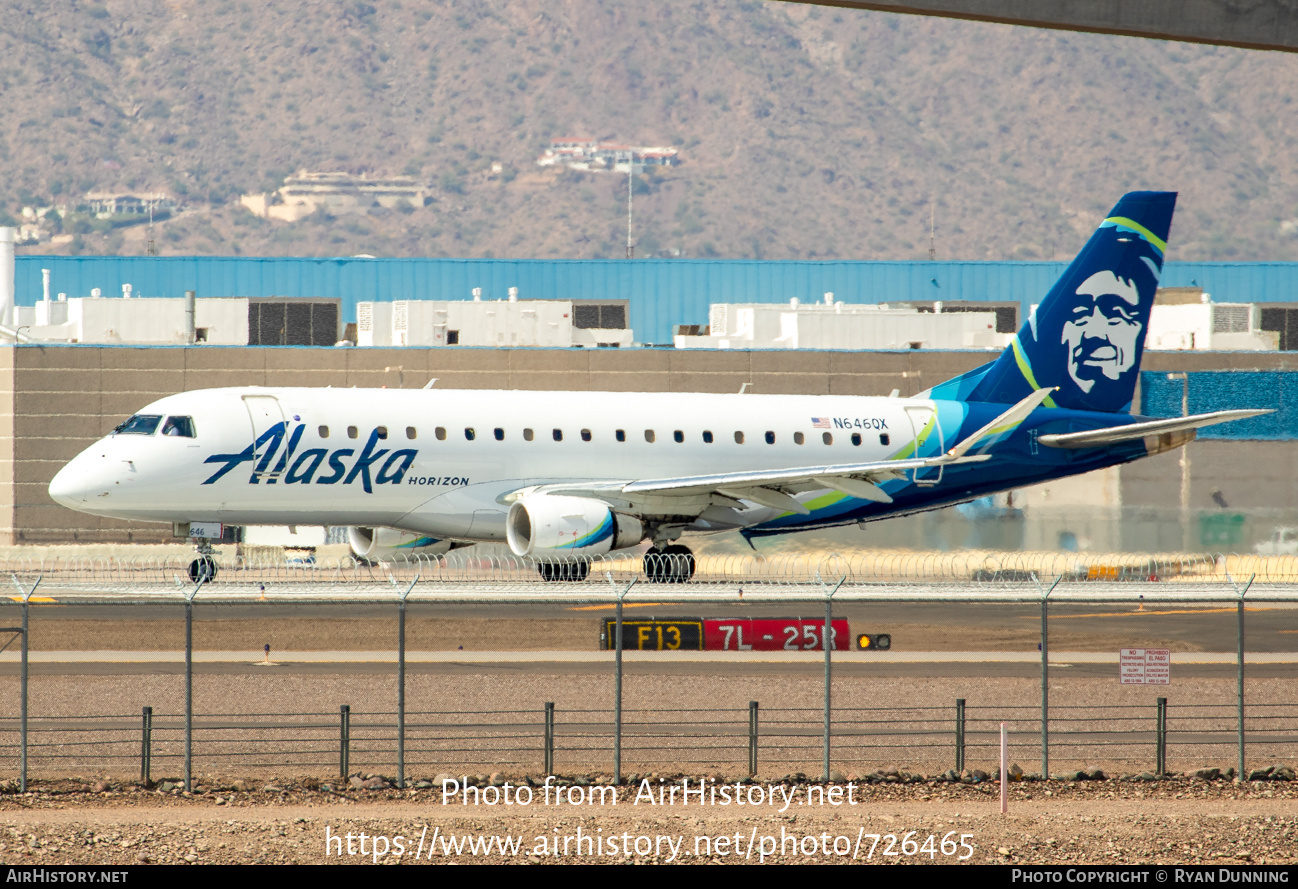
x,y
22,691
1240,774
1045,692
344,740
401,685
146,747
617,695
189,692
617,683
959,734
401,694
22,728
827,642
1045,679
549,738
752,739
1160,755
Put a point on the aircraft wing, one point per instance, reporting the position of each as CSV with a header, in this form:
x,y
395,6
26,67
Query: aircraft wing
x,y
775,487
770,487
1098,438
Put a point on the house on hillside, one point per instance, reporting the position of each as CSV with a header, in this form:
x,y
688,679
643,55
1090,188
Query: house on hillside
x,y
590,155
304,193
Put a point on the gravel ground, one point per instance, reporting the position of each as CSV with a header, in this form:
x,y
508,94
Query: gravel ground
x,y
1097,822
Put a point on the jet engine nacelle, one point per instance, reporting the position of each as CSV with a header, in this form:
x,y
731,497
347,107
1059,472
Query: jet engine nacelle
x,y
389,544
543,525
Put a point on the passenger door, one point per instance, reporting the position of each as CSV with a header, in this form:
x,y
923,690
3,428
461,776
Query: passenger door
x,y
927,432
264,412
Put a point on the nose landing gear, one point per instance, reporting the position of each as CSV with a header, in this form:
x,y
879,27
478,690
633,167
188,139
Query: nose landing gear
x,y
204,567
669,564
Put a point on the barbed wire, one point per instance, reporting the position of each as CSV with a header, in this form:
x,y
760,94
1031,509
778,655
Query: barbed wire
x,y
1216,576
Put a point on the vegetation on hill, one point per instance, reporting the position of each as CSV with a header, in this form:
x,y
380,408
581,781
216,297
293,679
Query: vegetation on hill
x,y
805,132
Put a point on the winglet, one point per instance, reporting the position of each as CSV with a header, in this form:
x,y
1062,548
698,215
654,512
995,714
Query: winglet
x,y
1005,421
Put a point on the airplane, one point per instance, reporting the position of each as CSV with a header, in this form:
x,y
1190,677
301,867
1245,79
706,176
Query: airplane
x,y
562,476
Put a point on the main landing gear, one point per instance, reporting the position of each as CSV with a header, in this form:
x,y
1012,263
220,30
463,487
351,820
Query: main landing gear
x,y
668,564
574,571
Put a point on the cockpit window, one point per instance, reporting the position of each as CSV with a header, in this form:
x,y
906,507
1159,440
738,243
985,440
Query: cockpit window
x,y
182,427
140,424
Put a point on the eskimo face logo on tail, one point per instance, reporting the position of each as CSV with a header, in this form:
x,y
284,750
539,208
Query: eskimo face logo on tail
x,y
299,468
1102,331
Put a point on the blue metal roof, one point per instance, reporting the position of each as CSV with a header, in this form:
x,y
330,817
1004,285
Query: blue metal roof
x,y
661,292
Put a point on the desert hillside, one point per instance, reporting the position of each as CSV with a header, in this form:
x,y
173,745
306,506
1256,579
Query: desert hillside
x,y
804,132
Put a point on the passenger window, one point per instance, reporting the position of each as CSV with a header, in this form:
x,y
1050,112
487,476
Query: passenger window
x,y
739,438
527,435
678,436
884,439
440,433
799,438
500,434
411,433
470,434
770,438
585,435
826,438
382,432
324,431
649,436
140,424
351,432
856,439
181,427
707,437
558,435
620,435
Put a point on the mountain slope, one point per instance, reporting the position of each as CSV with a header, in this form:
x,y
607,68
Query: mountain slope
x,y
805,132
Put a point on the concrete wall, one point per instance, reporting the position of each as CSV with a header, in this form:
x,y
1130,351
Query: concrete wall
x,y
56,400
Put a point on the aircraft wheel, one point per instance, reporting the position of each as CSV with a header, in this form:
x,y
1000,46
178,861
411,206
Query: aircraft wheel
x,y
681,563
574,571
655,565
671,564
203,568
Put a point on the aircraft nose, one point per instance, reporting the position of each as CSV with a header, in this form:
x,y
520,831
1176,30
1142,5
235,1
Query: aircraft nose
x,y
68,487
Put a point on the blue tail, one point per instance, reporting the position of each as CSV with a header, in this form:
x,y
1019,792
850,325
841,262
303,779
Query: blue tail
x,y
1088,334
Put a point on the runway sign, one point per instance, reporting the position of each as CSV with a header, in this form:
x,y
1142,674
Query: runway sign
x,y
721,634
670,634
1145,666
774,634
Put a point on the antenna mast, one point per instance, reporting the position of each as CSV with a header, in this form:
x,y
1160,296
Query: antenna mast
x,y
932,229
630,196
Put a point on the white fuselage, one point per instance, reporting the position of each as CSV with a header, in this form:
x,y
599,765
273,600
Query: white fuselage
x,y
446,462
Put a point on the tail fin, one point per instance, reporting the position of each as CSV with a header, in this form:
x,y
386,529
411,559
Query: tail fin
x,y
1088,334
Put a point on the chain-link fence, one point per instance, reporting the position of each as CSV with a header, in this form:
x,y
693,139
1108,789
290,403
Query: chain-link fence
x,y
1155,739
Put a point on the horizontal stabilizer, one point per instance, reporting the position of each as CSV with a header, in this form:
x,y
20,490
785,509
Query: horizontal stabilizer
x,y
1004,423
1098,438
